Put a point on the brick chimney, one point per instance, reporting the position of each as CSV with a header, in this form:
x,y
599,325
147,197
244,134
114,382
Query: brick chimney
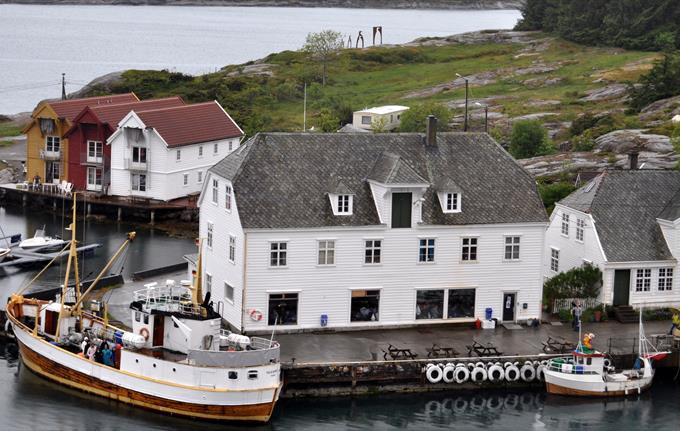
x,y
431,135
633,160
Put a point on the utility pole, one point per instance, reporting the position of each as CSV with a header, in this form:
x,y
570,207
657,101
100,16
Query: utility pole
x,y
63,86
465,124
304,111
486,118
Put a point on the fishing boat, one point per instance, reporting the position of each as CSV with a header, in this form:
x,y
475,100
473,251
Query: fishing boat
x,y
4,252
41,242
176,359
589,373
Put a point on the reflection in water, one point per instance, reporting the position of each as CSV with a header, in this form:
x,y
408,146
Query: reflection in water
x,y
35,403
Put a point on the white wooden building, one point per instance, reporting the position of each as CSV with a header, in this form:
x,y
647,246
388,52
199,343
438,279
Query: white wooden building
x,y
311,230
385,117
164,154
627,223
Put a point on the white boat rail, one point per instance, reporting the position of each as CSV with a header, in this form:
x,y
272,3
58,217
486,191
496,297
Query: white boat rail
x,y
256,343
168,298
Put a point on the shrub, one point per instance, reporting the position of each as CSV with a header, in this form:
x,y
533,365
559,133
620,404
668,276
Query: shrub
x,y
565,315
581,282
415,119
551,193
528,139
584,142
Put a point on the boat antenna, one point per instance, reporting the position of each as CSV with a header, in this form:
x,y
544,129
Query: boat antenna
x,y
197,288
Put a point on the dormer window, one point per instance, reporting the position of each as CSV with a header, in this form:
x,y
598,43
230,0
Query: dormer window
x,y
450,202
344,204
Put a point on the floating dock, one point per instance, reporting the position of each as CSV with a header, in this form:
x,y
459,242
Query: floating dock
x,y
19,257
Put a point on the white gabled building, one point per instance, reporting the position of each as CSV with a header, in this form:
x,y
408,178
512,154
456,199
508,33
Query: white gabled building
x,y
386,117
164,154
627,223
309,230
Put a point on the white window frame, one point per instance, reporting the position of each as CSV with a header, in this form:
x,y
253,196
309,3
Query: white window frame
x,y
208,282
554,259
452,202
472,244
95,151
665,279
643,280
97,184
215,149
227,197
199,178
209,234
52,144
185,180
366,120
215,191
564,231
430,250
278,251
178,155
324,246
200,151
139,160
580,227
514,247
139,188
231,146
370,246
232,249
228,288
344,204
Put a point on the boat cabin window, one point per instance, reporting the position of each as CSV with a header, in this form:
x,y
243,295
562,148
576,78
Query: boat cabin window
x,y
232,375
146,319
589,361
579,360
137,317
252,375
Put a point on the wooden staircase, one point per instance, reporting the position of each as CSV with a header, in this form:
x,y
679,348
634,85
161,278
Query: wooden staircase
x,y
626,314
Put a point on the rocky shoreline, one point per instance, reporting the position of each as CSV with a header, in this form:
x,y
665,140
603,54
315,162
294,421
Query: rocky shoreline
x,y
358,4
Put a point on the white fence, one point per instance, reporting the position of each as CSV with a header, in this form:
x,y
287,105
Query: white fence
x,y
565,303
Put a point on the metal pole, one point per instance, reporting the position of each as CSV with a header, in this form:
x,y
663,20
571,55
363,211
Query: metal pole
x,y
63,86
486,119
304,111
465,126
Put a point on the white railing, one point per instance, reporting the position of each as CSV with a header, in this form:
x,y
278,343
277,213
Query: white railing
x,y
565,303
135,166
172,299
50,155
256,343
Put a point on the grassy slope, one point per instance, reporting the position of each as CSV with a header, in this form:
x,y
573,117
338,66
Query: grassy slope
x,y
360,78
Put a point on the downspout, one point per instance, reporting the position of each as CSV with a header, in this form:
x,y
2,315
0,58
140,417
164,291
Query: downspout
x,y
243,288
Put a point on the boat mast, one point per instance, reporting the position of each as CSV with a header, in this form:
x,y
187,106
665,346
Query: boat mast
x,y
72,258
197,288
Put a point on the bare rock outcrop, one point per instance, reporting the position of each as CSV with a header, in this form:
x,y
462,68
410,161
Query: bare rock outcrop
x,y
662,109
629,140
609,92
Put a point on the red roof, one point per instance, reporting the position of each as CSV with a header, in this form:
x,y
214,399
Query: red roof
x,y
112,114
70,108
191,124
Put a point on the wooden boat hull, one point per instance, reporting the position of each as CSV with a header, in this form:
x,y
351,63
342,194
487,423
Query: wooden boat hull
x,y
44,363
562,390
581,385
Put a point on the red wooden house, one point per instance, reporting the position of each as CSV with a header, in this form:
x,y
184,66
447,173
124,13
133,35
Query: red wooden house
x,y
89,157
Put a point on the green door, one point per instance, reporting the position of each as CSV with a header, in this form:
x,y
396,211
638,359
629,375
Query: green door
x,y
401,210
621,286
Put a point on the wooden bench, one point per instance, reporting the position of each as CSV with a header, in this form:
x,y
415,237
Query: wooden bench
x,y
483,350
437,351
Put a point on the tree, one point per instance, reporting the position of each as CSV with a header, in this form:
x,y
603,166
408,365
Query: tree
x,y
322,47
662,81
580,282
528,139
327,121
415,119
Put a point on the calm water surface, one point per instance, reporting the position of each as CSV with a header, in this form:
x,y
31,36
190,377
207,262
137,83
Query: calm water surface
x,y
39,42
29,402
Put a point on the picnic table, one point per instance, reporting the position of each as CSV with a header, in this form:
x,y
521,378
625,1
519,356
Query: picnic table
x,y
395,353
437,351
557,344
483,350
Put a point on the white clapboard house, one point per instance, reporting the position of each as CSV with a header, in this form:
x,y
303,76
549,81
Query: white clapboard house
x,y
371,230
164,153
626,222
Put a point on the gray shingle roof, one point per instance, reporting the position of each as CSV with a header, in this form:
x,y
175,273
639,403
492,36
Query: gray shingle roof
x,y
625,206
392,169
281,180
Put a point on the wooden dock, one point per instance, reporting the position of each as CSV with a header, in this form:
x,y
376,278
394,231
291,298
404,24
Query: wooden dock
x,y
22,258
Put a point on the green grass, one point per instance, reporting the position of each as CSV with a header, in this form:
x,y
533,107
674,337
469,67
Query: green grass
x,y
382,75
10,129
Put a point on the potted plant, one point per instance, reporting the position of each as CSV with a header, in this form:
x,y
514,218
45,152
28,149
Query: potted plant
x,y
597,313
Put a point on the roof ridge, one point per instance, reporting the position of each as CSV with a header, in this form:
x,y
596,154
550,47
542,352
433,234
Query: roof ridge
x,y
178,107
113,105
79,99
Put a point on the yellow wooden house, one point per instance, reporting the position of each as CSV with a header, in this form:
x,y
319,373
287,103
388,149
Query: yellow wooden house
x,y
46,147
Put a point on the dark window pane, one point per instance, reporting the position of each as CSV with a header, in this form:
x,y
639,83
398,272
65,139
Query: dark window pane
x,y
461,303
430,304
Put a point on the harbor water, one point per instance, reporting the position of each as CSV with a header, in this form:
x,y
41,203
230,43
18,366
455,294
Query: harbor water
x,y
39,42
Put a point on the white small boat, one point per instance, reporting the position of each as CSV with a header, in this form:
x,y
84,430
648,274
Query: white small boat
x,y
588,373
4,252
40,241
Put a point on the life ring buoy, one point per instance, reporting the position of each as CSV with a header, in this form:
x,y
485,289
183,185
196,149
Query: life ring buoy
x,y
607,362
256,315
144,333
448,374
461,375
434,374
512,373
496,373
478,375
527,373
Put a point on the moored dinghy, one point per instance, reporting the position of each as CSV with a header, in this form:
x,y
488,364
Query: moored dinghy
x,y
176,360
588,372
